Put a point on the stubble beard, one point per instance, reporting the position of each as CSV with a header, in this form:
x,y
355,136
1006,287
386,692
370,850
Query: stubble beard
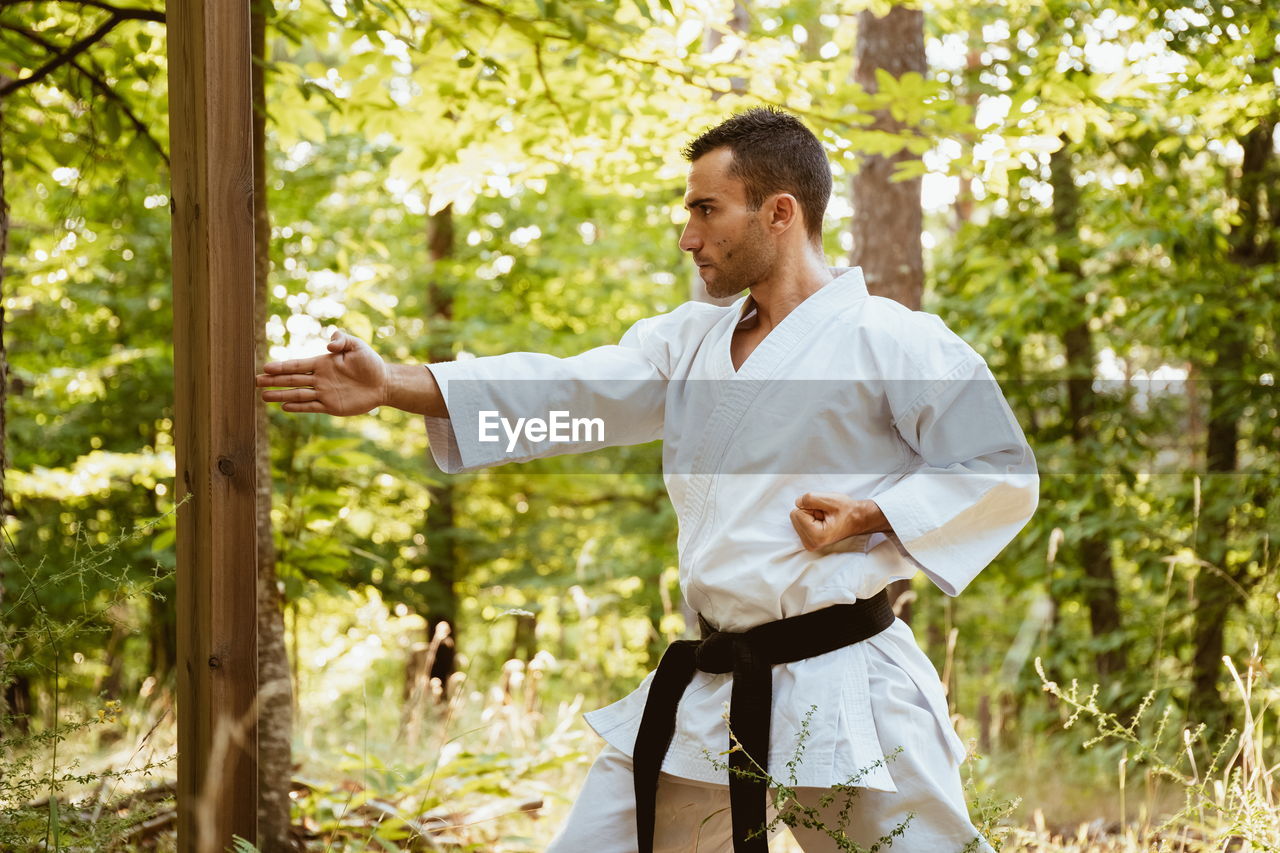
x,y
744,265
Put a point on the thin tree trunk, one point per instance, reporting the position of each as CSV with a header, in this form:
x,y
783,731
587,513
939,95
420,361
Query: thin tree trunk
x,y
973,62
275,685
162,632
4,400
442,558
524,642
1215,591
888,217
1221,585
739,20
1100,590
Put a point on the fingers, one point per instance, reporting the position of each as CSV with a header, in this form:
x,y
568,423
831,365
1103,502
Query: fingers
x,y
313,406
295,365
293,395
340,341
285,380
277,370
816,509
296,400
813,500
808,529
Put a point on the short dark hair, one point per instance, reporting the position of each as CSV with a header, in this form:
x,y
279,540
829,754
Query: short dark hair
x,y
773,152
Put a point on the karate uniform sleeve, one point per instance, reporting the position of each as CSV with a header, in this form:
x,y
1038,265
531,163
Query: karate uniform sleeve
x,y
974,485
605,397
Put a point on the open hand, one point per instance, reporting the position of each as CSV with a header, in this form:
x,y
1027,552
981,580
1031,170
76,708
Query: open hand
x,y
822,518
350,379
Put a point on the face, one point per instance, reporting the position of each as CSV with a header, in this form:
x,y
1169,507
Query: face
x,y
728,241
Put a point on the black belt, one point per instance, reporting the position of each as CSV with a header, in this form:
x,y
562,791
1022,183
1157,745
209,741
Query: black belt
x,y
750,656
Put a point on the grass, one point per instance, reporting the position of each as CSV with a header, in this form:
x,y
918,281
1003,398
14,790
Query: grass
x,y
494,766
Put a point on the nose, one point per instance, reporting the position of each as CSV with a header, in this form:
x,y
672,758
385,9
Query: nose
x,y
689,239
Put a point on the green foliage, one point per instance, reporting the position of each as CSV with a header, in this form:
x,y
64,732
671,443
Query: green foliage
x,y
1229,794
790,811
243,846
46,796
550,130
380,770
1146,261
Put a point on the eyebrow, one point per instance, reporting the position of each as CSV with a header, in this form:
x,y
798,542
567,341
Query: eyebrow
x,y
697,202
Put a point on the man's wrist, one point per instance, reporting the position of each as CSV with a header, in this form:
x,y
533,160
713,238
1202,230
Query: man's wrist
x,y
413,388
870,519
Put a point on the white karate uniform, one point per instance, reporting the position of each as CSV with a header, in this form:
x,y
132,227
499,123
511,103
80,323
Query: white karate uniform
x,y
850,393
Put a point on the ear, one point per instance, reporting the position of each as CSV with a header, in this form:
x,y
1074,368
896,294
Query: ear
x,y
784,213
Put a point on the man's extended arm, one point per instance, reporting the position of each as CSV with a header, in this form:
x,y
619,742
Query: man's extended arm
x,y
618,389
351,379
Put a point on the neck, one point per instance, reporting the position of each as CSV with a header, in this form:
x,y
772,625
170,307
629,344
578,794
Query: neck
x,y
790,283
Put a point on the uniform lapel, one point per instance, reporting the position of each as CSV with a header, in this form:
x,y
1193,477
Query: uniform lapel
x,y
737,391
771,352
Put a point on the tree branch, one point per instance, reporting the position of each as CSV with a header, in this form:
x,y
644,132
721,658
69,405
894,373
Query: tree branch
x,y
537,55
103,87
683,73
118,16
125,13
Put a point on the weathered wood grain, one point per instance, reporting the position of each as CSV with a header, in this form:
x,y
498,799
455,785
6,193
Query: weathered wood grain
x,y
212,203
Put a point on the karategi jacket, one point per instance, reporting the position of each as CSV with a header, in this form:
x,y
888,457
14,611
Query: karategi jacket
x,y
849,393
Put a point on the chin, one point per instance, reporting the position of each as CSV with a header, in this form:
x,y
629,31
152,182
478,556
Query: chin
x,y
724,291
720,289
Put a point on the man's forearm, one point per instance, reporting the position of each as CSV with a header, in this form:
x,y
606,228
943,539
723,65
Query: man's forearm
x,y
412,388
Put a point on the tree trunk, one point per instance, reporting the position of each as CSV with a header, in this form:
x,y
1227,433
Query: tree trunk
x,y
887,217
524,643
739,20
1219,584
964,203
17,698
4,401
442,558
275,686
1100,590
162,632
1214,589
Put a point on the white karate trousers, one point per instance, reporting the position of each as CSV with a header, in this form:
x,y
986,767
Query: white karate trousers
x,y
694,816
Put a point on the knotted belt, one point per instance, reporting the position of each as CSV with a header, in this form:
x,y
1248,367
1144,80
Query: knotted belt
x,y
750,656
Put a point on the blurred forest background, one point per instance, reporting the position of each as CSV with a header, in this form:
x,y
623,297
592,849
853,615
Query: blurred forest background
x,y
1099,186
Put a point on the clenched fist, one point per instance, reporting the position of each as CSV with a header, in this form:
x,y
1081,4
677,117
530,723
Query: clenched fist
x,y
350,379
825,517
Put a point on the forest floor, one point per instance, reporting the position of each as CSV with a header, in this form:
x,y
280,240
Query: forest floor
x,y
504,780
495,765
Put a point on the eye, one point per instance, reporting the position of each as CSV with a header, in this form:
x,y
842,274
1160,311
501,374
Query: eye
x,y
705,208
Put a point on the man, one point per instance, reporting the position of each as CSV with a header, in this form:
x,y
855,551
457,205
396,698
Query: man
x,y
819,443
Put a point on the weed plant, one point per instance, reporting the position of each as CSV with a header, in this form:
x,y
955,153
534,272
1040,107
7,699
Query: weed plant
x,y
48,799
469,766
1229,796
790,810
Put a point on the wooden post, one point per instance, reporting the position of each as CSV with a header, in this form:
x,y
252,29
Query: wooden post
x,y
213,278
